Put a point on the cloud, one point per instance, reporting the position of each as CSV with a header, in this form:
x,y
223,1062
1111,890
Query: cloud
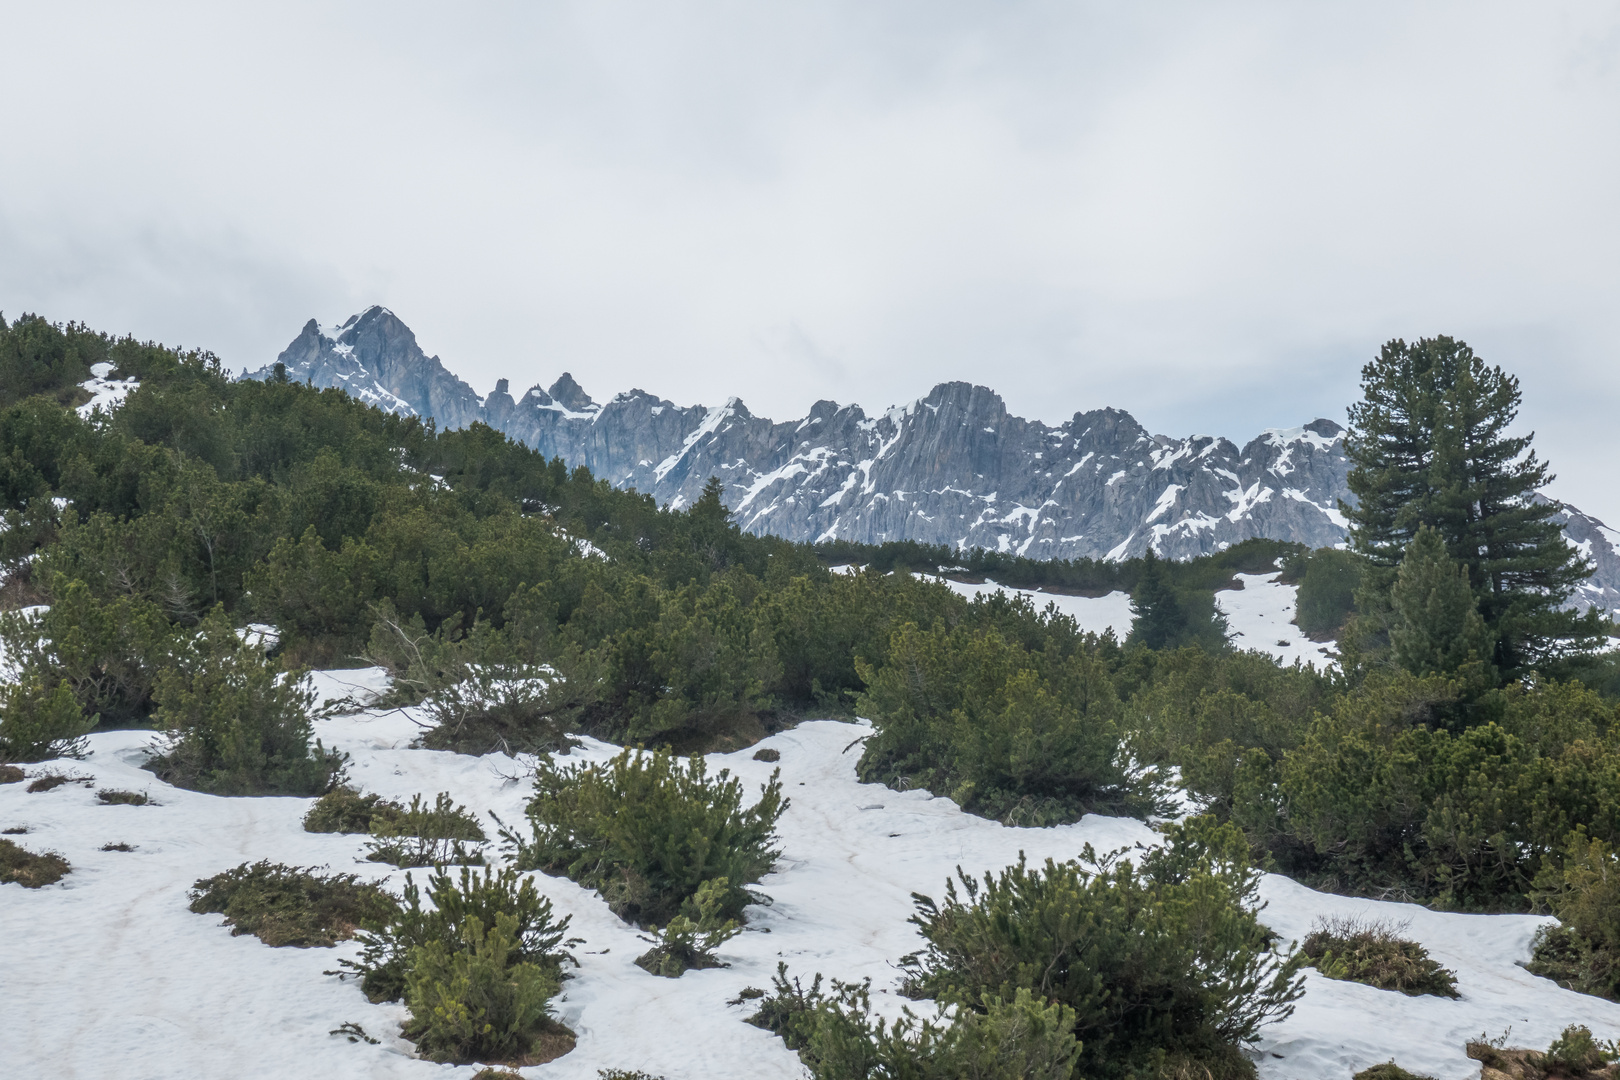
x,y
1209,214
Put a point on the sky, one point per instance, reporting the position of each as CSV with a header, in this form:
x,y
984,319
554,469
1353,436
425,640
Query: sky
x,y
1208,214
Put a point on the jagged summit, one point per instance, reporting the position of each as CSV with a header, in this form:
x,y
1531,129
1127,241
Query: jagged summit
x,y
953,467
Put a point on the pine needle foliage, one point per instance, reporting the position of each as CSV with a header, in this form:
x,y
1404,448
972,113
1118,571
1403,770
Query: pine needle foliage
x,y
290,905
30,870
688,943
387,946
1375,954
647,830
1159,958
419,835
1582,890
346,810
473,999
237,724
38,722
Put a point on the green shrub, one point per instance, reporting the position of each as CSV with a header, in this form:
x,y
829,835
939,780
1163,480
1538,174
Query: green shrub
x,y
767,753
838,1039
1575,1052
621,1074
238,726
119,846
1328,579
52,780
1027,738
472,999
31,871
686,943
345,810
1582,890
290,905
125,798
10,774
1164,958
1389,1071
647,830
1374,953
423,836
386,949
38,723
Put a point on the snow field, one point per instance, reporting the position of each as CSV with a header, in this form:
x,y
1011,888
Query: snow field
x,y
109,974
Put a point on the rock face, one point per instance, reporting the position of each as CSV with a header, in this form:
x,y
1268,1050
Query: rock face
x,y
952,468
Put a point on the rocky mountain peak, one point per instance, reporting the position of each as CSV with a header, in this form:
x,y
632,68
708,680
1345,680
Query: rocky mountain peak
x,y
569,394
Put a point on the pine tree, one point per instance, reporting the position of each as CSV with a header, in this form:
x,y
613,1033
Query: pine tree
x,y
1159,620
1428,447
1437,627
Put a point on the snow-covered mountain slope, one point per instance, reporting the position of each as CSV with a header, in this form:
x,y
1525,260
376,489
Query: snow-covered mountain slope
x,y
954,467
108,974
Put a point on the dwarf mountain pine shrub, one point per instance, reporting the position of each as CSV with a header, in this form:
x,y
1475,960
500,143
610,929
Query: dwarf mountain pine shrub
x,y
38,722
473,999
420,835
31,871
346,810
647,830
387,947
1581,890
10,774
1388,1070
688,943
124,798
1374,953
290,905
1159,960
237,725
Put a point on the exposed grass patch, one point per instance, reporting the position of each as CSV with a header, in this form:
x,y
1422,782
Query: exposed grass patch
x,y
290,905
10,774
119,846
15,830
52,780
31,871
766,753
346,810
427,836
1389,1071
1374,953
647,830
621,1074
125,798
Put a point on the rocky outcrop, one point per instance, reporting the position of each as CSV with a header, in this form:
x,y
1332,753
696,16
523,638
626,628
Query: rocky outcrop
x,y
951,468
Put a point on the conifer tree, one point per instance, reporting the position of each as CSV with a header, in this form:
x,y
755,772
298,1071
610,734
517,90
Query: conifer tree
x,y
1158,619
1428,446
1437,627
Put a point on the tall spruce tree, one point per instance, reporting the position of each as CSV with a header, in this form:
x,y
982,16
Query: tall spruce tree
x,y
1158,619
1437,628
1428,446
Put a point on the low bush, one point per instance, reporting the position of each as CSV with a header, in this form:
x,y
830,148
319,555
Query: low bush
x,y
237,725
31,871
10,774
386,950
426,836
15,830
290,905
124,798
1389,1071
766,753
52,780
1575,1052
1582,890
345,810
621,1074
39,722
1024,737
1374,953
838,1039
646,830
686,943
119,846
1161,959
1328,579
473,998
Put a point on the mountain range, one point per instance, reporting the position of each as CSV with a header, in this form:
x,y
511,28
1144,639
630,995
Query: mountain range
x,y
953,467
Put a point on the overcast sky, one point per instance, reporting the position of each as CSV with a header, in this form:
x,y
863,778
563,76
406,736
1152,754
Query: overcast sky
x,y
1207,214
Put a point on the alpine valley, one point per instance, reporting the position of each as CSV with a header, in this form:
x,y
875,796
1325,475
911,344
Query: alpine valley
x,y
953,467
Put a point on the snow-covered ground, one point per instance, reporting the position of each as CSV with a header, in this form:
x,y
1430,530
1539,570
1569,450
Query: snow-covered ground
x,y
1260,615
106,394
108,974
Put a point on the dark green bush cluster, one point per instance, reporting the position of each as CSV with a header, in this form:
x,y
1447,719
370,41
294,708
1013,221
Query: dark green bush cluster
x,y
1582,890
346,810
1028,737
291,905
124,798
1328,579
690,942
1574,1055
419,835
1100,967
31,871
1374,953
647,830
238,725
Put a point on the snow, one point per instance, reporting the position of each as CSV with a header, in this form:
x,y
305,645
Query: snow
x,y
1094,614
1260,616
105,394
108,973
